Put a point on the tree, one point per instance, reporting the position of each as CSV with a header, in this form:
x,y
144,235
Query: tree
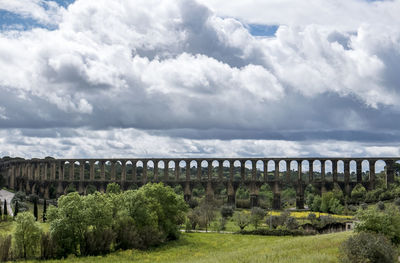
x,y
316,204
257,215
206,213
113,188
242,219
27,235
5,212
44,210
359,193
35,210
16,208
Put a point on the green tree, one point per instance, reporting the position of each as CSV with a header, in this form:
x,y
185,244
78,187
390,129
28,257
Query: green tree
x,y
44,210
316,204
35,210
68,223
242,219
16,208
359,193
27,235
5,212
113,188
257,215
386,222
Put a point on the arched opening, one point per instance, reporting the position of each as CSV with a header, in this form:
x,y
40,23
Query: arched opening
x,y
380,173
270,170
171,170
365,170
317,170
193,169
215,169
305,171
139,171
236,170
340,170
397,170
118,171
226,166
260,170
182,168
129,170
294,174
86,175
97,170
248,166
107,170
353,171
67,168
77,171
204,169
328,171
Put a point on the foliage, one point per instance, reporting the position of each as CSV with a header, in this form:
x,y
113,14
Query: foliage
x,y
19,196
47,246
242,219
257,215
242,193
5,210
33,198
358,194
44,210
5,246
312,217
16,208
367,247
277,232
330,202
194,217
35,210
316,204
90,189
386,222
178,189
206,213
226,211
291,223
27,235
380,205
113,188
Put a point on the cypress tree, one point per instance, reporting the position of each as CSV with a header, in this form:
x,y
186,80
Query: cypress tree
x,y
5,209
35,210
16,209
1,214
44,210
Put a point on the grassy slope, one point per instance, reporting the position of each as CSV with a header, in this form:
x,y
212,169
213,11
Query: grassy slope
x,y
212,247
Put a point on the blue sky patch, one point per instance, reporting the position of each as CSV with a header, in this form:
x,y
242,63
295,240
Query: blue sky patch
x,y
262,30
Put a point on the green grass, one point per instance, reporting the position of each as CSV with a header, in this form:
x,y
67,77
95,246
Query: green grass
x,y
213,247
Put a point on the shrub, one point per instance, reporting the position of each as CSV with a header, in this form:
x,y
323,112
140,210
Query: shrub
x,y
312,217
358,194
380,205
33,198
5,245
257,215
386,222
310,200
386,195
242,219
97,242
113,188
397,201
27,235
194,217
291,223
316,204
226,211
193,202
90,189
19,196
243,203
364,206
367,247
47,246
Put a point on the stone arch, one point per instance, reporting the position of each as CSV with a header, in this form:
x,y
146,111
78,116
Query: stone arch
x,y
305,170
236,170
270,170
340,170
182,170
67,168
76,172
118,170
353,171
215,169
248,166
328,170
86,175
226,166
260,170
171,170
204,169
139,170
193,169
365,170
107,170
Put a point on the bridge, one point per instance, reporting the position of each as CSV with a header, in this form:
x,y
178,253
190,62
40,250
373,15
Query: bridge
x,y
40,176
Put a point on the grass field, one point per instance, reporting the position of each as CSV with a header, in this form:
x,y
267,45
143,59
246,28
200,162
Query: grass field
x,y
213,247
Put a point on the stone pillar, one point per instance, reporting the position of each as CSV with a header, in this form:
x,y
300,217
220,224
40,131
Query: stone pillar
x,y
371,174
53,171
45,171
359,171
199,170
166,163
46,192
82,171
389,172
72,171
155,170
265,170
220,170
144,175
347,177
123,172
102,171
276,203
243,170
254,191
60,171
311,170
188,192
91,171
209,170
177,171
334,171
300,188
134,172
231,190
113,171
287,171
253,170
323,182
209,192
11,175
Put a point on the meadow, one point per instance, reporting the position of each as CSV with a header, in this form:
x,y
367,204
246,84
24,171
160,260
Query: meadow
x,y
215,247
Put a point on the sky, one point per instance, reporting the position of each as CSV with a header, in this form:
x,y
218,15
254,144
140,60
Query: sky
x,y
205,78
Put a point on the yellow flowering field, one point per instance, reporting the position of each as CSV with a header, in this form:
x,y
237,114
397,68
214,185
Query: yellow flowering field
x,y
306,213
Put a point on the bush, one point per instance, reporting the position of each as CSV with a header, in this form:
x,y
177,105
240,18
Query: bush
x,y
19,196
291,223
257,215
226,211
358,194
242,219
33,198
243,203
367,247
47,246
386,222
275,221
316,204
90,189
380,205
312,217
27,235
113,188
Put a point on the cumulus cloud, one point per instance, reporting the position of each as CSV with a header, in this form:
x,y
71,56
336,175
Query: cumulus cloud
x,y
191,71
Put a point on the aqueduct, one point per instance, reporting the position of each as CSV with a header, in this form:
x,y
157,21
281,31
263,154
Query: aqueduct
x,y
37,175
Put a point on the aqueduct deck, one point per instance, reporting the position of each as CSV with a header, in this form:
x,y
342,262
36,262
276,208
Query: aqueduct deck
x,y
37,175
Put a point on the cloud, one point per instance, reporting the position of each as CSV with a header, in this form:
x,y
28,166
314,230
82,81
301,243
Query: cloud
x,y
178,71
